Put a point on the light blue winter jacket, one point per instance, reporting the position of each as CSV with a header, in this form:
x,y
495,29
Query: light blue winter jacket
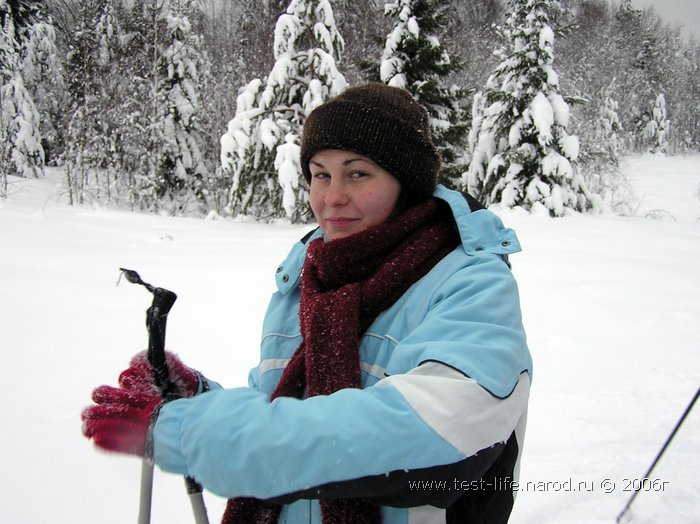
x,y
446,374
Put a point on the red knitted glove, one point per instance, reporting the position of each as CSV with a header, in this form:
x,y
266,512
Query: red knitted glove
x,y
119,421
120,418
139,376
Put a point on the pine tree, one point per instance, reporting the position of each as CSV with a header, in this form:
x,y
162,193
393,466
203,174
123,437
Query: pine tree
x,y
522,154
414,59
270,113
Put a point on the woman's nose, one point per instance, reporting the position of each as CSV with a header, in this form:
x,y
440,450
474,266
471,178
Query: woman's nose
x,y
336,194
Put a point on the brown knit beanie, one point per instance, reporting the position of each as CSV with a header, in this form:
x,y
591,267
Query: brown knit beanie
x,y
382,123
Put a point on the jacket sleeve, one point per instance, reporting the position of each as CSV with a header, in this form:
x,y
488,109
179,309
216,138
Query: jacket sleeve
x,y
433,421
237,443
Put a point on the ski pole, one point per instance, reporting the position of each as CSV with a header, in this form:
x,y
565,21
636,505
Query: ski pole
x,y
658,455
156,318
145,492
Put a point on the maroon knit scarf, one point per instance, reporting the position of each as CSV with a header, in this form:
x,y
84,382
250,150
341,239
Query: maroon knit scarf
x,y
345,284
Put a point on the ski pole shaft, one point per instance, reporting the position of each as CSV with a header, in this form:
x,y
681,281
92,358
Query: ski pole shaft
x,y
146,492
199,510
659,454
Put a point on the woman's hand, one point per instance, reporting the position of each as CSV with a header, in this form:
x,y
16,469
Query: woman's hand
x,y
120,418
140,376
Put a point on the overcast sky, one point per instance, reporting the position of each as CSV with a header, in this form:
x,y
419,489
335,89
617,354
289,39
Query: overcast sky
x,y
685,12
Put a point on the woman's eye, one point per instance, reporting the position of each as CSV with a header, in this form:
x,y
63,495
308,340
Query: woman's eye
x,y
319,175
358,174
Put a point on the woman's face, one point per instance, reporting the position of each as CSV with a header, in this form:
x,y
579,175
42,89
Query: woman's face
x,y
349,192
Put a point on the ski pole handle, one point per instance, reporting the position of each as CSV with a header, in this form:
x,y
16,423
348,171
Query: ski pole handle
x,y
156,319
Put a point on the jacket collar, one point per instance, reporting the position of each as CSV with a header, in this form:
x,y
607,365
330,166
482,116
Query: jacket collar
x,y
481,231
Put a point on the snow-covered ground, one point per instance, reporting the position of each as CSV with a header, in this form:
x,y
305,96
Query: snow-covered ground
x,y
611,306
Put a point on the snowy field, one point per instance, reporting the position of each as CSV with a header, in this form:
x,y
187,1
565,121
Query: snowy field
x,y
611,307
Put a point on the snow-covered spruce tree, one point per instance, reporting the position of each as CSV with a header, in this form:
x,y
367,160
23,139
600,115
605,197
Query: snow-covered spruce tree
x,y
640,73
89,126
8,61
41,70
21,153
262,141
414,59
177,167
600,160
234,39
7,53
610,129
522,154
130,41
657,128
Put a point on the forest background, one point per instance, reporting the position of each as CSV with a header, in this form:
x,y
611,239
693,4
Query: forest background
x,y
138,102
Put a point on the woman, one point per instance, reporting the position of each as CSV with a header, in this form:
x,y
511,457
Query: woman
x,y
394,376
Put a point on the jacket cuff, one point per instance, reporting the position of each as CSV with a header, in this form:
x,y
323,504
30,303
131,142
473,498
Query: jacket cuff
x,y
167,452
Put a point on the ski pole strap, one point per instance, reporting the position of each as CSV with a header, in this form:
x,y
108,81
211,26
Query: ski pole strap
x,y
204,385
149,448
134,278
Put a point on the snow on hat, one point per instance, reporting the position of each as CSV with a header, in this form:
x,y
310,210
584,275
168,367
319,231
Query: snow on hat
x,y
382,123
